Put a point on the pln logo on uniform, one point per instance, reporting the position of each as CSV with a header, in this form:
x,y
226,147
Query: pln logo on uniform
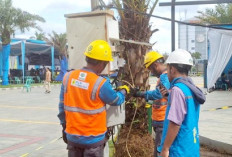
x,y
80,84
82,76
194,135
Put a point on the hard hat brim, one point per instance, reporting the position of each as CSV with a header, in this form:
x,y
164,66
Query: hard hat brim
x,y
98,58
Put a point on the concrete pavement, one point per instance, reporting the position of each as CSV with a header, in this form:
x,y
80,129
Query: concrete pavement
x,y
29,124
215,124
216,121
30,127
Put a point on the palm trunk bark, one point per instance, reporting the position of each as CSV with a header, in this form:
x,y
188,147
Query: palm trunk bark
x,y
135,26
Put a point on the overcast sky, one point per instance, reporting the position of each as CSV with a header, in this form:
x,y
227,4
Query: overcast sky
x,y
53,11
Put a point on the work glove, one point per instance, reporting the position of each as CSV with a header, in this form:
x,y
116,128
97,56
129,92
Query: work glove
x,y
135,92
64,135
124,87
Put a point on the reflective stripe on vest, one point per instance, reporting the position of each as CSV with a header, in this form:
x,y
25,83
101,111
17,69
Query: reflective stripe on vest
x,y
66,82
80,110
160,103
115,100
95,87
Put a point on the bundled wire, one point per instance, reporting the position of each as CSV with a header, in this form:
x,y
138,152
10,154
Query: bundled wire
x,y
167,19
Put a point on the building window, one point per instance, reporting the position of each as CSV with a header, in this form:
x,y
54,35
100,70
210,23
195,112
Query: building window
x,y
192,41
193,48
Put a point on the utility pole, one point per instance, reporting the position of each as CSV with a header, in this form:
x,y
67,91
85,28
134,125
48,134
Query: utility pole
x,y
173,24
94,5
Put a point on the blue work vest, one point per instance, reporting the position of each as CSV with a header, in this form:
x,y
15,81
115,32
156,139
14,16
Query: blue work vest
x,y
186,143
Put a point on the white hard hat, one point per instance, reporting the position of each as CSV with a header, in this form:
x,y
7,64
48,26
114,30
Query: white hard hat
x,y
180,56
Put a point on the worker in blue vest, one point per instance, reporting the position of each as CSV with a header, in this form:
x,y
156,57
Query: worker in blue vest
x,y
180,136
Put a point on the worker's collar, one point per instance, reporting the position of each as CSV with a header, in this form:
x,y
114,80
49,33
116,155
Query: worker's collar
x,y
164,71
89,70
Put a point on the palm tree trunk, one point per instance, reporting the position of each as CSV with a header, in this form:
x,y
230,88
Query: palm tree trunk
x,y
135,26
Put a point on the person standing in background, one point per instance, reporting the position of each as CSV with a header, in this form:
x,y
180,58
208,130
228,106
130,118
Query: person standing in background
x,y
43,73
47,81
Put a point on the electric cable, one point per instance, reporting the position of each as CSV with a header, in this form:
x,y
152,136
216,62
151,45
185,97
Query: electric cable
x,y
166,19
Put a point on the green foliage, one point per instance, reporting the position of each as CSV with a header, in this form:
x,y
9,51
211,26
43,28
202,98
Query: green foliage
x,y
12,19
220,15
196,55
193,69
40,36
59,41
111,148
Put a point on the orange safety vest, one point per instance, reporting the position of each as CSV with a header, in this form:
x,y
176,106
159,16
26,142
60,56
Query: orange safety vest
x,y
159,107
84,111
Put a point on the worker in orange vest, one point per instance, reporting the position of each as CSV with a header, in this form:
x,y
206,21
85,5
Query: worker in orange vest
x,y
155,63
82,110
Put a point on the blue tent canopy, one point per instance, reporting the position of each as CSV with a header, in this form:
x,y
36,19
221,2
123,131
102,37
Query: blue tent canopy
x,y
22,47
31,47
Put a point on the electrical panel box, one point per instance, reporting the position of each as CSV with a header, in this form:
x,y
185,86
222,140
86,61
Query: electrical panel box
x,y
115,115
83,28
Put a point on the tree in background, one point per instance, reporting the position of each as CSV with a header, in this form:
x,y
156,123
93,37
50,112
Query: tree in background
x,y
39,36
59,41
196,55
12,19
220,15
135,25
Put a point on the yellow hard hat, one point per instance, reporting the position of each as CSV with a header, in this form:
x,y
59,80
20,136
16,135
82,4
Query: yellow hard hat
x,y
99,50
151,57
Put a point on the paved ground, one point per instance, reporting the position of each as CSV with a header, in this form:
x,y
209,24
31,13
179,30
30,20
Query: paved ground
x,y
216,124
29,122
215,117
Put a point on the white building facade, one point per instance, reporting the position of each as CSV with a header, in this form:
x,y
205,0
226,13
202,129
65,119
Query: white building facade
x,y
193,38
